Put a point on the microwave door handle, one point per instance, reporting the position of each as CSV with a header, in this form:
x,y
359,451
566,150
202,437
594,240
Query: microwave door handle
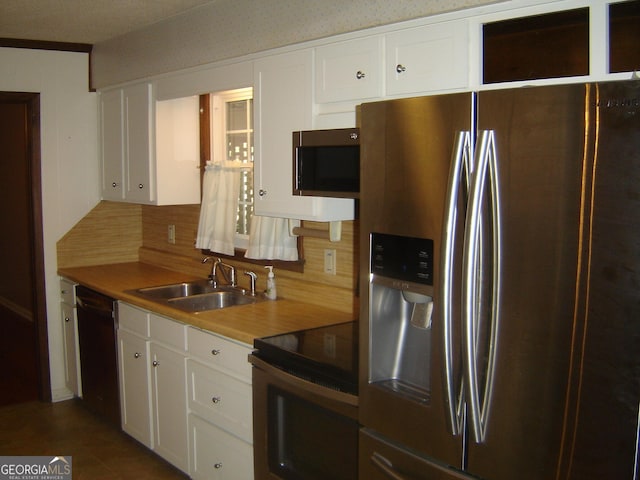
x,y
458,173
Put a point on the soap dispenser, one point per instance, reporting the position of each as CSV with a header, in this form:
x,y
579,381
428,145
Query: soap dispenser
x,y
270,292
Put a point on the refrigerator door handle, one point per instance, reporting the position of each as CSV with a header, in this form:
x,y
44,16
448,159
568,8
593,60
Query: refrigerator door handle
x,y
458,173
473,268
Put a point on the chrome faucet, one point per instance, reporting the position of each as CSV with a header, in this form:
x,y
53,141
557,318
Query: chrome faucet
x,y
252,282
228,271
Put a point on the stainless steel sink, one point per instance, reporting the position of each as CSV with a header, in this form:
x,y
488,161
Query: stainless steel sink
x,y
211,301
174,290
196,296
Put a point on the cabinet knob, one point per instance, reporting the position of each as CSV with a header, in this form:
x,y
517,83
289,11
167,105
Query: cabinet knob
x,y
140,186
114,184
262,192
67,319
400,68
215,399
136,355
155,363
215,351
360,75
217,465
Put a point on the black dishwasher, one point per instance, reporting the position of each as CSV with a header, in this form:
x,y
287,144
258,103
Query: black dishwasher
x,y
98,357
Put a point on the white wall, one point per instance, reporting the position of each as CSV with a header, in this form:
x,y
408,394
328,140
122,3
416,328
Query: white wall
x,y
69,161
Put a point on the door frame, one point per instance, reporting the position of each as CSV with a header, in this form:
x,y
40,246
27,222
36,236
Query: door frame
x,y
32,103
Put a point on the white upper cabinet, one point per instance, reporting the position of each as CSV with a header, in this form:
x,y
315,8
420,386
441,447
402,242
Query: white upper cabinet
x,y
150,150
138,116
349,70
428,58
283,104
112,124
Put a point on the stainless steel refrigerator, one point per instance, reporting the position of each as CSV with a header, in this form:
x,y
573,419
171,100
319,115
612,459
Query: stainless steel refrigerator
x,y
500,284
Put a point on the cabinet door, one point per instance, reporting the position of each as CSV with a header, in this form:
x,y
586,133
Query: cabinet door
x,y
139,115
429,58
135,388
112,125
282,104
217,455
349,70
71,360
168,379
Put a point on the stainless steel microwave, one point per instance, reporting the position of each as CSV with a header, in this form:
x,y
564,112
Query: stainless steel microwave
x,y
326,163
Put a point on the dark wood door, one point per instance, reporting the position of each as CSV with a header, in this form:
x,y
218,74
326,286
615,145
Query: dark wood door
x,y
24,367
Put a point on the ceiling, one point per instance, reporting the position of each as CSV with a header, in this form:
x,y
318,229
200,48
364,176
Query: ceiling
x,y
84,21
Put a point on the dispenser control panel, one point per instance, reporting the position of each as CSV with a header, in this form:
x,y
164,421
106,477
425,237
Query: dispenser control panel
x,y
402,258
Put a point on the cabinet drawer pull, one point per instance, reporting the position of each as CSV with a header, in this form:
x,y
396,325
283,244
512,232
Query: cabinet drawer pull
x,y
114,184
215,351
140,186
136,355
360,75
67,319
400,68
262,192
155,363
215,399
217,465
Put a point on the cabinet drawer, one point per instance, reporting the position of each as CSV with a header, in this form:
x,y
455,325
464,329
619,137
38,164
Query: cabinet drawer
x,y
168,332
217,455
219,352
133,319
67,292
220,399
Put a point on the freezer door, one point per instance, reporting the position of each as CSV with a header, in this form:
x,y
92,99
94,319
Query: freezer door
x,y
543,140
407,147
380,459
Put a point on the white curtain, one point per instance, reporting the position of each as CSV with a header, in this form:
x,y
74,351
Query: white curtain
x,y
269,239
218,212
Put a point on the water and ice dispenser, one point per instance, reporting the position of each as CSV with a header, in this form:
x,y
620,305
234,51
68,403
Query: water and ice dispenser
x,y
400,314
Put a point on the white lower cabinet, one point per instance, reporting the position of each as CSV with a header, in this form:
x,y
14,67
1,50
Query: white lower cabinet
x,y
168,387
186,394
135,392
151,352
218,455
220,407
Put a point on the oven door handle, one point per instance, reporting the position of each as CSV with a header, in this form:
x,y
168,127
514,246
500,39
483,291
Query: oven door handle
x,y
297,382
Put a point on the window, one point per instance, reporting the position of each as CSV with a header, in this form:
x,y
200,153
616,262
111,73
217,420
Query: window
x,y
232,141
226,133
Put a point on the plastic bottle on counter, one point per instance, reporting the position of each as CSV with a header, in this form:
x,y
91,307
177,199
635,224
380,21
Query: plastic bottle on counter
x,y
271,292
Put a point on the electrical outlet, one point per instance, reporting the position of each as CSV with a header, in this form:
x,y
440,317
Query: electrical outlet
x,y
171,234
330,261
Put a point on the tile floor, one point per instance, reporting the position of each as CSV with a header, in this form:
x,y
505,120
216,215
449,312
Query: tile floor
x,y
99,451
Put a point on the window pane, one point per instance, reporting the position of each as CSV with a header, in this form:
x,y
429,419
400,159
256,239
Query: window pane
x,y
238,148
237,115
245,203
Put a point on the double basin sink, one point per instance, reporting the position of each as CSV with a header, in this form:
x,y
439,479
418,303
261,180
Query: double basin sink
x,y
197,296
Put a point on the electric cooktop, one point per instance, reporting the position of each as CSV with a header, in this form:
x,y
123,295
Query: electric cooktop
x,y
326,355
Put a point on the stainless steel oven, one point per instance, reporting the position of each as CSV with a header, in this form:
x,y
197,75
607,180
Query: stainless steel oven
x,y
305,404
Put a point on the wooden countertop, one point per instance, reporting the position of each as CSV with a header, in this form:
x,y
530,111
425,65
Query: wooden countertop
x,y
242,322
